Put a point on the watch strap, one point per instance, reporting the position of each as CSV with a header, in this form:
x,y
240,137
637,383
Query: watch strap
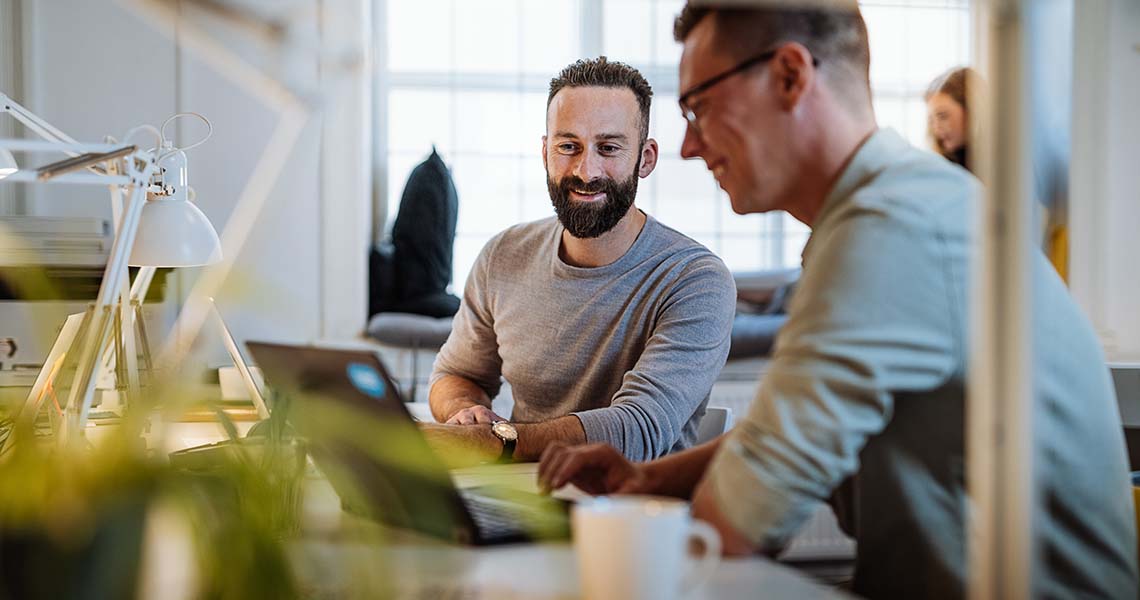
x,y
508,453
508,450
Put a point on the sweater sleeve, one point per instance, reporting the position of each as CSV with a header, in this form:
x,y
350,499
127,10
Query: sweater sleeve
x,y
675,372
472,349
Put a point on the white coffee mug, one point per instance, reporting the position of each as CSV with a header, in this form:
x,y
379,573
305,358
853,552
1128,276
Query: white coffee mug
x,y
634,547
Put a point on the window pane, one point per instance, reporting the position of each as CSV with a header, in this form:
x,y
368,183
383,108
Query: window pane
x,y
745,252
419,118
934,43
479,62
685,196
667,52
666,124
793,249
488,189
549,35
647,194
489,123
467,248
536,200
627,30
487,36
890,112
907,115
419,35
886,31
914,129
533,125
752,224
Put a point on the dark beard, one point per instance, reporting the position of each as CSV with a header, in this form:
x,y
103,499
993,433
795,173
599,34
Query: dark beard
x,y
589,220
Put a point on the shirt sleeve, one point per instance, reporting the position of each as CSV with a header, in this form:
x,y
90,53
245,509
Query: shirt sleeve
x,y
874,313
472,348
676,370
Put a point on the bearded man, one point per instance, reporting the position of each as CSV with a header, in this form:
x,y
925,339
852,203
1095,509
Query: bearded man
x,y
609,326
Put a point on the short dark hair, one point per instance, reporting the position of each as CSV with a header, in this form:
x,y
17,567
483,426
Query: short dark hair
x,y
602,72
834,33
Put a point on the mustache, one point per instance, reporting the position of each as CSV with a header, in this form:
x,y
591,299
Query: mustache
x,y
602,184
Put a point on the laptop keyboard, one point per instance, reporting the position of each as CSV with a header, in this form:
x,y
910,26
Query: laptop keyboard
x,y
536,517
494,518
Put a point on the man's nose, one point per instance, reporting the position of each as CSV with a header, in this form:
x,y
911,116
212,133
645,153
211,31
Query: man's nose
x,y
589,167
692,145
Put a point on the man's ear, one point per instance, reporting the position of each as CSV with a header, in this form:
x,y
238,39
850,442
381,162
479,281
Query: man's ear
x,y
792,73
648,158
544,153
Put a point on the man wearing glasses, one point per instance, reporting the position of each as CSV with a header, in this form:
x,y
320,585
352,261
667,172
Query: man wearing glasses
x,y
609,326
869,373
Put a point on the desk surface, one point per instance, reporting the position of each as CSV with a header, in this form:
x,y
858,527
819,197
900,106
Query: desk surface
x,y
330,563
415,567
339,569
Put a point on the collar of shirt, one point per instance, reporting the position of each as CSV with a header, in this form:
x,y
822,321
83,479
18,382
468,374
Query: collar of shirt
x,y
876,153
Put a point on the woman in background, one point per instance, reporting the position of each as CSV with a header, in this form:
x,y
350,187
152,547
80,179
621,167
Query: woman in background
x,y
948,114
950,129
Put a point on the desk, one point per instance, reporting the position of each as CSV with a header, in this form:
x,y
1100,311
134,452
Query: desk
x,y
333,560
409,570
330,562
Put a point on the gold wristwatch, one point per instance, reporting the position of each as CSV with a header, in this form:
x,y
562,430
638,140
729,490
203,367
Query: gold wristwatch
x,y
509,436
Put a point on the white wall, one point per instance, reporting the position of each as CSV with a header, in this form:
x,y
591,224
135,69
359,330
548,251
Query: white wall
x,y
95,67
1105,172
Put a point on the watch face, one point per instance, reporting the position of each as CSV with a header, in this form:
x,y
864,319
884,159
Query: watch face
x,y
505,430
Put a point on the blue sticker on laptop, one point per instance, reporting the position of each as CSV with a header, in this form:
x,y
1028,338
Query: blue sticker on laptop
x,y
366,379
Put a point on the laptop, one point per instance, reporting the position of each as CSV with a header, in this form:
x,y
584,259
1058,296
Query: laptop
x,y
362,437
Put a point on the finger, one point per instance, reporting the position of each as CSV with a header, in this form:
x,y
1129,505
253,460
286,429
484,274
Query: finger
x,y
575,461
483,415
600,457
569,468
462,417
454,420
549,462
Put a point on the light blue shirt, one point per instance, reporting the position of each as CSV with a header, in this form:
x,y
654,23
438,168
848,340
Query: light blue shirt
x,y
868,379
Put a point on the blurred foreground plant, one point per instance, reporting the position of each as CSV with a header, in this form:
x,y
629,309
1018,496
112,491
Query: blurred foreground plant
x,y
80,522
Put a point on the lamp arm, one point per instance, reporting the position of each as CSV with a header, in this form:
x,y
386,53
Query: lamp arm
x,y
100,317
137,294
41,127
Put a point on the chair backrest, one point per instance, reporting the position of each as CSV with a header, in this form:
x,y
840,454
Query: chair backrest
x,y
718,420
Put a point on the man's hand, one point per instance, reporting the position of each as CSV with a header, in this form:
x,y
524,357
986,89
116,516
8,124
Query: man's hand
x,y
593,468
474,414
462,445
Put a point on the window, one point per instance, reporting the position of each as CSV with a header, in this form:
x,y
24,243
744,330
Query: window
x,y
471,78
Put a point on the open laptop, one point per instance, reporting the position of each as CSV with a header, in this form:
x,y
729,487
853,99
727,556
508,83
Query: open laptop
x,y
361,436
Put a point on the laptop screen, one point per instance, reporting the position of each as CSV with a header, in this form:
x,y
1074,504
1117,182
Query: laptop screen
x,y
361,436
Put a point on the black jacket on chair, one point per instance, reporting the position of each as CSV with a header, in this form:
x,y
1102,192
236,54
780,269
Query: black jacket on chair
x,y
412,274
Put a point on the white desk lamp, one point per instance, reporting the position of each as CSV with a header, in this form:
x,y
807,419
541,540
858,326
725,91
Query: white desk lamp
x,y
7,164
157,226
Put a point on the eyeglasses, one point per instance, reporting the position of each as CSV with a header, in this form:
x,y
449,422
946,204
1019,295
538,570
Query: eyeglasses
x,y
707,84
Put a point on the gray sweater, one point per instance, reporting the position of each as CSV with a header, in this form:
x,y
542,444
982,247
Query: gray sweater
x,y
632,348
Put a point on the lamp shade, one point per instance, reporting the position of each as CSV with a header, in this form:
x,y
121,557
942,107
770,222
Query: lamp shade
x,y
174,233
7,163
